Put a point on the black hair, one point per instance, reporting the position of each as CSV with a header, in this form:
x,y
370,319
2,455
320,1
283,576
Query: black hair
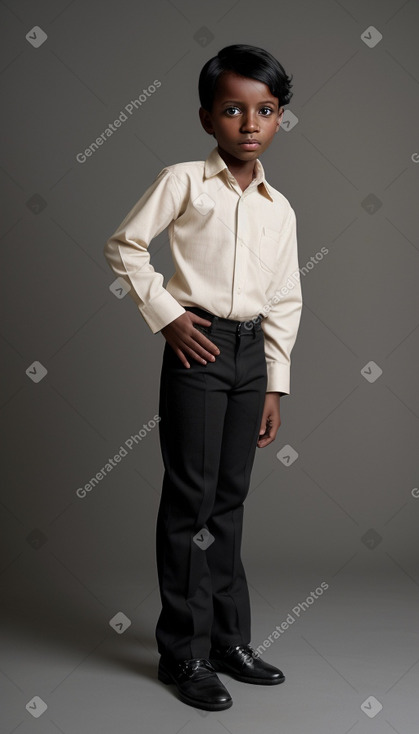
x,y
249,61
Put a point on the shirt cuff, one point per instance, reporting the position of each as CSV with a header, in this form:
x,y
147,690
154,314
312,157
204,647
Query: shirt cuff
x,y
161,311
278,377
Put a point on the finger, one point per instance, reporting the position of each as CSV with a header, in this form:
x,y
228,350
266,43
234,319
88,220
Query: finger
x,y
197,357
269,435
203,346
185,347
206,347
265,440
202,339
198,319
182,357
263,426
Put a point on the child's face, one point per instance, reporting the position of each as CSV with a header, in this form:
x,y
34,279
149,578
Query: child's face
x,y
243,109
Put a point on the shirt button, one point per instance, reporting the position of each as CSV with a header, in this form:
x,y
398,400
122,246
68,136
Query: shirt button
x,y
239,290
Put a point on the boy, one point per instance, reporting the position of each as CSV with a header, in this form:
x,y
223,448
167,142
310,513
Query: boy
x,y
225,363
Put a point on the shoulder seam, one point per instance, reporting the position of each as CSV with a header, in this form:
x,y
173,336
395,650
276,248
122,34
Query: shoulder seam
x,y
173,178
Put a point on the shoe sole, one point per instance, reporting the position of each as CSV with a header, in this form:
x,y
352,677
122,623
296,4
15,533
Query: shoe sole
x,y
220,668
165,677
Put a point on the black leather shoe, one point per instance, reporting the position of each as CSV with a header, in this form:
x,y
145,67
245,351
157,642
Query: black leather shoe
x,y
242,663
197,682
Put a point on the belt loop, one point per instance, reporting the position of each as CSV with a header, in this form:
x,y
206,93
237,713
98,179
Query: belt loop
x,y
213,323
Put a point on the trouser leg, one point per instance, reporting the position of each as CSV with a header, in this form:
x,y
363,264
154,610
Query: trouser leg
x,y
210,417
231,603
192,408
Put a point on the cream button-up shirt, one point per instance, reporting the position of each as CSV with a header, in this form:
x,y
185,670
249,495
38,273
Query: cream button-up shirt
x,y
234,252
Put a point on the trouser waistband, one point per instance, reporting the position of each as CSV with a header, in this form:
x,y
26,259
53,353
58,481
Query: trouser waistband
x,y
240,327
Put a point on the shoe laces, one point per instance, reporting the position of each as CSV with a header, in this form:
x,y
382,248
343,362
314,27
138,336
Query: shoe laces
x,y
246,651
187,666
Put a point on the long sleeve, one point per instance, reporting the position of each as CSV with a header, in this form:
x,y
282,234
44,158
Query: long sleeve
x,y
127,250
284,313
234,254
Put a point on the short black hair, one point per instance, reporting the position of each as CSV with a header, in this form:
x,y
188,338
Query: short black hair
x,y
250,61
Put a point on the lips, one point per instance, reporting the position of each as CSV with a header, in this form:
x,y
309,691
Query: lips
x,y
251,141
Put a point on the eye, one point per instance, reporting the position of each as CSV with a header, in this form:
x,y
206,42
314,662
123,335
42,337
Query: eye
x,y
230,111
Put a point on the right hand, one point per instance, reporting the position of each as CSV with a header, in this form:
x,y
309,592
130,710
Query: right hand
x,y
186,340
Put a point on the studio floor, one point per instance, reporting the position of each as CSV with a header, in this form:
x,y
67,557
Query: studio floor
x,y
76,664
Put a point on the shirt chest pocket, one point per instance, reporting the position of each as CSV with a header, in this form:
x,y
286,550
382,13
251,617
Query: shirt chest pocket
x,y
269,244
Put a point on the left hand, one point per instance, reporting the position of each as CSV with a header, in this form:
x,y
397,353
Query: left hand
x,y
271,419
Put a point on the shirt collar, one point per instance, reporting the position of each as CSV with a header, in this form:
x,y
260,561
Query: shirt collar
x,y
215,164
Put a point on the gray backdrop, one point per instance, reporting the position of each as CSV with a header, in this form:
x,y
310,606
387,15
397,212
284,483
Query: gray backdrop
x,y
335,498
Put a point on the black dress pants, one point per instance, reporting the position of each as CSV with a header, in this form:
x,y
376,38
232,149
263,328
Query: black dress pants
x,y
209,427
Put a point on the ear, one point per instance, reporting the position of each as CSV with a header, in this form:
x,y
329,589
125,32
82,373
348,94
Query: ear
x,y
279,118
206,121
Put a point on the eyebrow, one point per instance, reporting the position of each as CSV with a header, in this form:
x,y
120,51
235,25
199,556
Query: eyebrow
x,y
237,101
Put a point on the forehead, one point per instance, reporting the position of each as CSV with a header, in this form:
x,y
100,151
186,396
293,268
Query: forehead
x,y
232,86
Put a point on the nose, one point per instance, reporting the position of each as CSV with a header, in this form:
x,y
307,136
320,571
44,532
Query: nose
x,y
250,122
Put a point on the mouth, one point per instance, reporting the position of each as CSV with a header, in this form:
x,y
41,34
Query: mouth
x,y
250,144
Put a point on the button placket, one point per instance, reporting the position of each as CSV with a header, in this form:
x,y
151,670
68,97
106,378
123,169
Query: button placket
x,y
240,254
